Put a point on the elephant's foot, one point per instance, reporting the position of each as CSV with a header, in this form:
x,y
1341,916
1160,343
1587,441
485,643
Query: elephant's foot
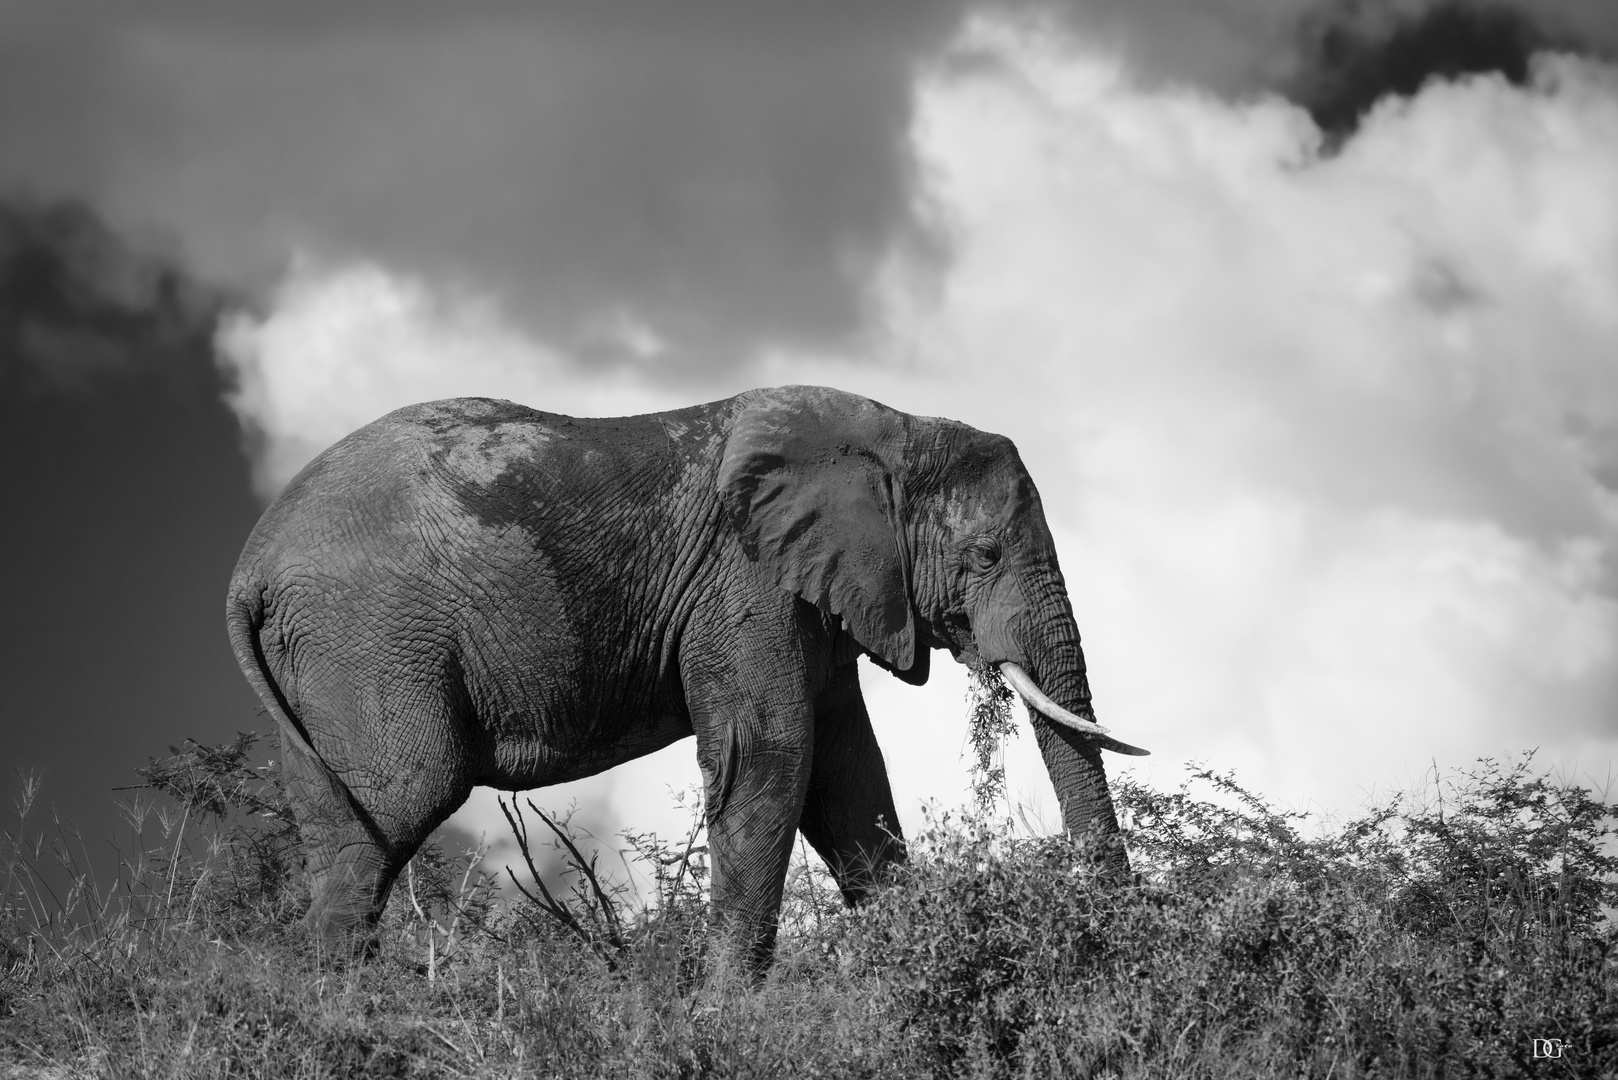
x,y
341,921
741,949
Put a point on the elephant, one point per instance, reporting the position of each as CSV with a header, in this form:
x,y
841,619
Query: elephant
x,y
471,591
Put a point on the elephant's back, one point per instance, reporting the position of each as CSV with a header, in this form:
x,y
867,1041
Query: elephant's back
x,y
390,461
367,496
396,449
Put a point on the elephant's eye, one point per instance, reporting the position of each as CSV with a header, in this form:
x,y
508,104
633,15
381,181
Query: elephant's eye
x,y
982,553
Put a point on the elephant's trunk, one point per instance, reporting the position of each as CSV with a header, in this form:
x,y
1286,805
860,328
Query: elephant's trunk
x,y
1073,757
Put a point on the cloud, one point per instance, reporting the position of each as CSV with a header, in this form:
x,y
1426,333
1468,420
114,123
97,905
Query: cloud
x,y
337,346
1327,441
80,304
125,503
1335,57
729,174
1354,54
725,172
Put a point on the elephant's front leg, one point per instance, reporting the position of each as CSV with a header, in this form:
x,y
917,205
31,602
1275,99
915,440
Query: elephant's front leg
x,y
752,708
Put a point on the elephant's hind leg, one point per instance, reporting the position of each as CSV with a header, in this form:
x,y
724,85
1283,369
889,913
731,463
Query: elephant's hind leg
x,y
848,813
366,803
345,863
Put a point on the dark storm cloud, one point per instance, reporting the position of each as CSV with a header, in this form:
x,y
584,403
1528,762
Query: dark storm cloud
x,y
1336,58
727,173
125,500
1355,54
79,304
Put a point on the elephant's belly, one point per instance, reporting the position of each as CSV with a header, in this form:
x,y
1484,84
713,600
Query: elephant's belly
x,y
556,690
537,761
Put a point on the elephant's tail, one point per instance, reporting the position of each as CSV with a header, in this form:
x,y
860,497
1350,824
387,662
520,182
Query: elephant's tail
x,y
244,618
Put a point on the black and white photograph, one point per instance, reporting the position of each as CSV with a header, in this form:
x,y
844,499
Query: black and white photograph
x,y
809,538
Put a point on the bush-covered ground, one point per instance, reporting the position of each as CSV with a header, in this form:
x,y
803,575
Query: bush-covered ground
x,y
1432,937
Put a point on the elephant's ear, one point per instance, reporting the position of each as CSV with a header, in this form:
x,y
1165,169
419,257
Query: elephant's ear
x,y
809,482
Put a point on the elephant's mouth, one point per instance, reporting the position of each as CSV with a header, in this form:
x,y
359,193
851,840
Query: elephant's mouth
x,y
955,635
1041,702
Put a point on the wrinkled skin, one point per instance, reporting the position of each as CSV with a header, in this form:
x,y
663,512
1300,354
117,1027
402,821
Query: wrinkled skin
x,y
472,592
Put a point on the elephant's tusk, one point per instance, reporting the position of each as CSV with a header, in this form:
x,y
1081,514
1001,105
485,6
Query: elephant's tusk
x,y
1037,698
1024,685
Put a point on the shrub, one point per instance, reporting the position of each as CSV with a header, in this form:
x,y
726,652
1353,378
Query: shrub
x,y
1407,942
249,869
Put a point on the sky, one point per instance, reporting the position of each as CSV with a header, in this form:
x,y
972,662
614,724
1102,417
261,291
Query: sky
x,y
1303,316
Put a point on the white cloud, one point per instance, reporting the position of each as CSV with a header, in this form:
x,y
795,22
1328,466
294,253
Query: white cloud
x,y
342,344
1322,439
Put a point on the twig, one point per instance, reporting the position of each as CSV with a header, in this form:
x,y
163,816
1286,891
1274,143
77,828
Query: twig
x,y
432,954
460,894
174,863
685,859
588,870
545,901
440,1036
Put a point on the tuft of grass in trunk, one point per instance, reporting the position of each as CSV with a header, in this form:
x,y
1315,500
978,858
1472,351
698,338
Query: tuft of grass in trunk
x,y
990,721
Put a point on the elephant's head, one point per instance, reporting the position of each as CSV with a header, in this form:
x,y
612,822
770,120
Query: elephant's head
x,y
921,533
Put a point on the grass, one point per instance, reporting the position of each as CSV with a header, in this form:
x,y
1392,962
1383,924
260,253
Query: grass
x,y
1439,934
